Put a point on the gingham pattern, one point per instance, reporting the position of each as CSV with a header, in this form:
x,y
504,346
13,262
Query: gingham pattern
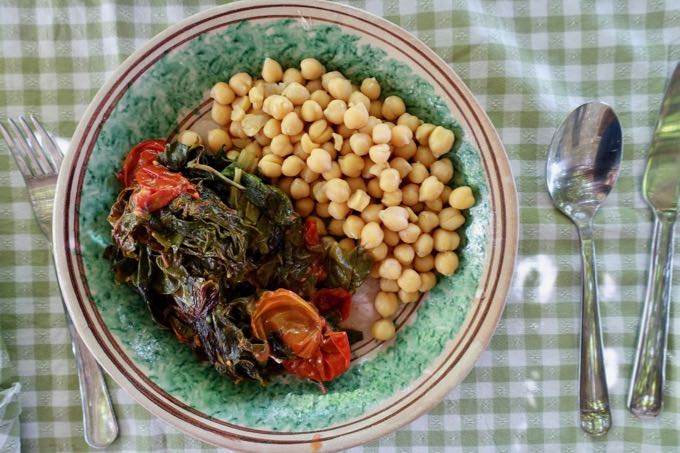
x,y
529,64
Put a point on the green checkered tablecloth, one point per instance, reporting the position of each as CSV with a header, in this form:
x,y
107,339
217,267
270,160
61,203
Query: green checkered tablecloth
x,y
529,64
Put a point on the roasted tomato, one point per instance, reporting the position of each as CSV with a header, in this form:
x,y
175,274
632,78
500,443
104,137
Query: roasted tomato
x,y
331,361
311,233
140,156
329,299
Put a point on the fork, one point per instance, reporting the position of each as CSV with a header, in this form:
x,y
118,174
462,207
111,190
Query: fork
x,y
39,160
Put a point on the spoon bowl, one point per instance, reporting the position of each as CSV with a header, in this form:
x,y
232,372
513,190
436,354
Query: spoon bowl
x,y
583,165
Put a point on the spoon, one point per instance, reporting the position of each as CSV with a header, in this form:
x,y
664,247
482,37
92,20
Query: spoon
x,y
583,165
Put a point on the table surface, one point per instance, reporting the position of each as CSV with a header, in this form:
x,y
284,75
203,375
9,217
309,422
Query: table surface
x,y
528,64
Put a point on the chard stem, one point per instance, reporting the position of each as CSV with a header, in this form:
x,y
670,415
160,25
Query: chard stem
x,y
209,169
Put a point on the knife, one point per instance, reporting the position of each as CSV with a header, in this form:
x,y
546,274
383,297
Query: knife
x,y
661,189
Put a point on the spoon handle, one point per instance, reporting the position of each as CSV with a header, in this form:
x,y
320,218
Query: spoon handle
x,y
645,396
593,395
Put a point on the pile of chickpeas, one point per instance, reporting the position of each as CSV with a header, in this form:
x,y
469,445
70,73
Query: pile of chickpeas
x,y
363,168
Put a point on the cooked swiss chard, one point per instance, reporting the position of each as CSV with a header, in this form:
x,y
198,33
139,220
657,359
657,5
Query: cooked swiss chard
x,y
221,258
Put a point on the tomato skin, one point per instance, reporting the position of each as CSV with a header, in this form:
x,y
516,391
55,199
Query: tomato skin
x,y
311,233
141,155
329,299
331,361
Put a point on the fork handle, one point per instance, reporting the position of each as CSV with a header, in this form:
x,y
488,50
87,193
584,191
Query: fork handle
x,y
101,427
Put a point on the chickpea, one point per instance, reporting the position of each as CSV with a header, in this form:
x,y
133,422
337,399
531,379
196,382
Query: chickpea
x,y
271,71
407,151
307,144
190,138
410,121
314,85
393,198
272,128
390,268
221,114
408,297
381,134
292,166
445,241
296,93
379,154
311,111
444,197
410,234
462,198
428,281
391,238
389,180
386,304
371,88
319,160
299,189
423,133
379,253
252,123
352,226
393,107
409,194
370,125
222,93
424,245
321,97
373,188
285,183
383,330
351,165
319,192
401,165
281,145
387,285
425,156
418,173
446,263
357,183
451,219
409,281
337,190
239,107
375,109
335,227
340,88
404,253
423,263
218,139
262,139
346,244
371,235
335,112
440,141
333,173
344,132
319,131
277,106
233,154
291,75
356,116
311,68
304,206
371,213
357,97
373,273
412,216
394,218
309,175
430,189
256,97
401,135
270,165
442,169
338,210
322,210
291,124
241,83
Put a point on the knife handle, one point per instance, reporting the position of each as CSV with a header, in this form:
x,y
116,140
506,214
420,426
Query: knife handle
x,y
645,396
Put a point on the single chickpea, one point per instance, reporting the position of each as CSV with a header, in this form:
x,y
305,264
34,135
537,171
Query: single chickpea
x,y
435,205
423,133
311,111
418,173
221,114
304,206
351,165
321,210
394,218
338,210
309,175
442,169
299,189
371,88
252,123
407,151
428,281
272,128
218,139
292,166
371,235
281,145
241,83
335,112
333,173
430,189
277,106
222,93
381,134
423,263
401,165
410,234
233,154
337,141
371,213
256,97
356,183
190,138
383,330
388,285
373,188
346,244
425,156
386,304
314,85
319,131
393,198
360,143
390,268
451,219
408,297
401,135
389,180
444,197
409,194
337,190
319,160
271,71
291,75
357,97
393,108
404,253
321,97
446,263
370,125
424,245
311,68
356,116
284,184
412,216
410,121
335,227
440,141
375,109
409,281
462,198
344,131
262,139
391,238
291,124
340,88
319,192
239,107
379,253
445,241
296,93
352,226
379,154
307,144
270,165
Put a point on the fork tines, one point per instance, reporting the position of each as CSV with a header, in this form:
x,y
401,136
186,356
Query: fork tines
x,y
35,155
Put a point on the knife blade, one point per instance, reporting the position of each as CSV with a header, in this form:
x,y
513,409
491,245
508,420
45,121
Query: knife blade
x,y
661,189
